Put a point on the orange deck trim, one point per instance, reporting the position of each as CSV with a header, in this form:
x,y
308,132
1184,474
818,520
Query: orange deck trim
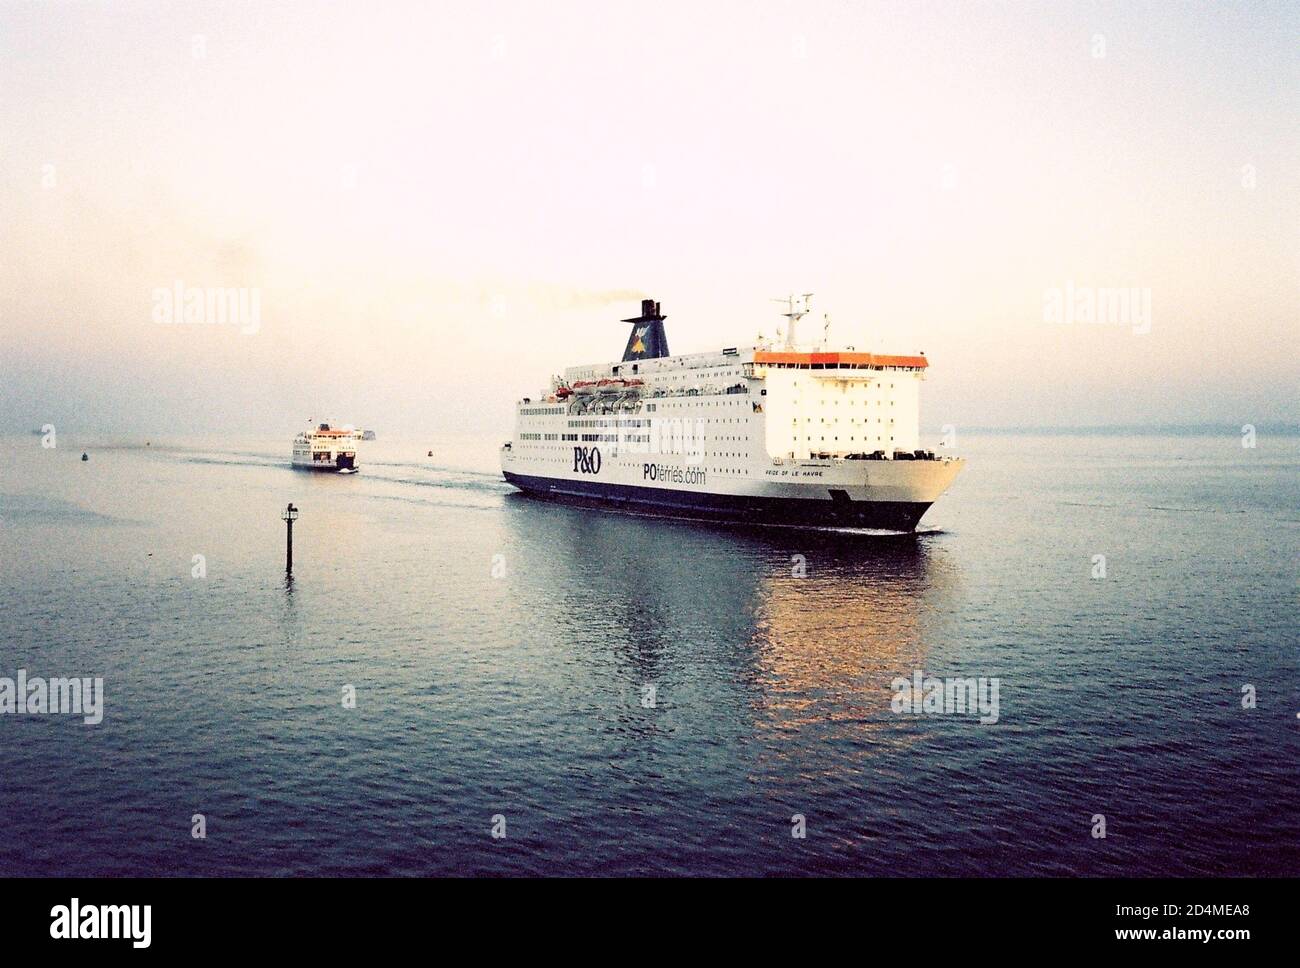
x,y
833,359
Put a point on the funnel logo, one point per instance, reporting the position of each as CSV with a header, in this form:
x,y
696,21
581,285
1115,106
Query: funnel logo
x,y
638,344
586,460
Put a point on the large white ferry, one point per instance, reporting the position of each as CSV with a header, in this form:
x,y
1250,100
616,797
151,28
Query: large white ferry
x,y
327,448
763,435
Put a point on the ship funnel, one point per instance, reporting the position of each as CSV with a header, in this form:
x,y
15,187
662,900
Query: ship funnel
x,y
648,339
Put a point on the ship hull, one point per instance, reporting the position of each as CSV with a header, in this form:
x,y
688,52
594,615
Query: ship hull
x,y
750,509
326,467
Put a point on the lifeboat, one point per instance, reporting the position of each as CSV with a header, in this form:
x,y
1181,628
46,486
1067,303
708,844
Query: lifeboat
x,y
606,385
620,385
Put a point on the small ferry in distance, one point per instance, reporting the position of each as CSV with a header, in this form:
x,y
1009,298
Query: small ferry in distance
x,y
327,448
780,434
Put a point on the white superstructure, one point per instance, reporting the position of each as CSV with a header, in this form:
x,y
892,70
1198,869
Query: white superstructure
x,y
760,434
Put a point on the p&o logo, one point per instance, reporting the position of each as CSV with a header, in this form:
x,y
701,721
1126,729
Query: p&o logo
x,y
586,460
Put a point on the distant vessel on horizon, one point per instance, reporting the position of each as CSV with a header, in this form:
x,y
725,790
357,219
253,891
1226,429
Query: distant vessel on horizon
x,y
781,435
326,448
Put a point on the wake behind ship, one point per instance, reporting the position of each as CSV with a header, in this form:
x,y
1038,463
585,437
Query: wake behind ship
x,y
759,435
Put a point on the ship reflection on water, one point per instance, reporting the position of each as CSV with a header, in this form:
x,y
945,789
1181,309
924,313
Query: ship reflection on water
x,y
711,683
828,644
780,630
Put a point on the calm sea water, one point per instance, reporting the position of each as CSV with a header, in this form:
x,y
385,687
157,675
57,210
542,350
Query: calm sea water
x,y
521,695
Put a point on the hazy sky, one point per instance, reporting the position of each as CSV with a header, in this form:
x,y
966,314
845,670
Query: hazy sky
x,y
440,204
